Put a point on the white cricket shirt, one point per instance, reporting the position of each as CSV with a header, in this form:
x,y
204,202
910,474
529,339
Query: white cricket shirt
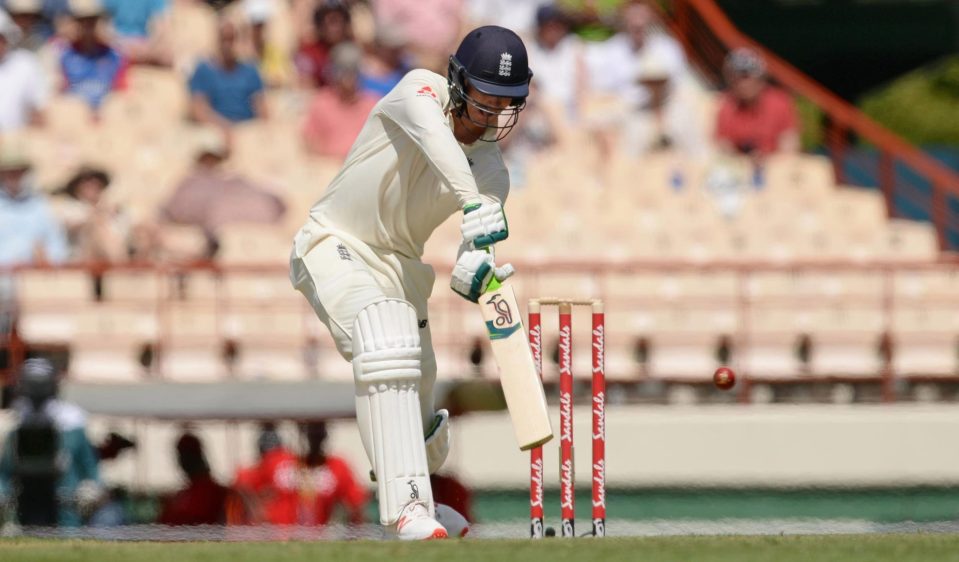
x,y
406,173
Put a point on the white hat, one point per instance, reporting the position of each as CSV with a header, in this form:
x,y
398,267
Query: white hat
x,y
13,156
9,30
86,8
25,6
258,11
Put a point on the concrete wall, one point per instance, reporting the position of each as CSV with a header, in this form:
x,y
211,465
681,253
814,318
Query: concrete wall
x,y
778,445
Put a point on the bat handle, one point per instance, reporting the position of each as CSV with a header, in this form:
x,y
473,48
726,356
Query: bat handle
x,y
494,284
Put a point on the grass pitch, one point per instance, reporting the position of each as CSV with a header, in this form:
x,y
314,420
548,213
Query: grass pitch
x,y
839,548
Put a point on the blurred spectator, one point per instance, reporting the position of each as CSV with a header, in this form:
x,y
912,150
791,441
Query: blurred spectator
x,y
754,118
273,63
270,486
518,15
48,465
331,26
535,132
210,196
97,230
29,233
615,64
338,111
224,89
327,482
385,63
202,499
669,119
37,18
432,27
28,15
91,67
23,86
142,30
557,58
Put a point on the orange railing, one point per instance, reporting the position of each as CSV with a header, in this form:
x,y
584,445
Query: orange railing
x,y
708,35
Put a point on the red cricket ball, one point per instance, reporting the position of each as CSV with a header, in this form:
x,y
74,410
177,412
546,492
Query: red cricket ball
x,y
724,378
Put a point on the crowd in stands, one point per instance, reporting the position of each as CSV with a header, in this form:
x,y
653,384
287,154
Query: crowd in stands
x,y
613,71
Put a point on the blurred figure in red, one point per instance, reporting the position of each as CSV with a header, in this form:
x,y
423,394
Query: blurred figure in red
x,y
327,482
202,501
754,118
269,487
338,111
332,25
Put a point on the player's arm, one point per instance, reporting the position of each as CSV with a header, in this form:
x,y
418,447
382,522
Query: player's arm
x,y
475,268
416,106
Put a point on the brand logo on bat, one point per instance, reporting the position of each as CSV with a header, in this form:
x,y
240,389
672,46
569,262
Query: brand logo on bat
x,y
502,326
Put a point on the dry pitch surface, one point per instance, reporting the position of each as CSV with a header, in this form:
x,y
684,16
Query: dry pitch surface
x,y
839,548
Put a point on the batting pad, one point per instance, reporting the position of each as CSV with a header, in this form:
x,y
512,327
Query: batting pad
x,y
386,370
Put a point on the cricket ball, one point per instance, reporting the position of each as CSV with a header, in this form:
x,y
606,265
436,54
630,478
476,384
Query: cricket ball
x,y
724,378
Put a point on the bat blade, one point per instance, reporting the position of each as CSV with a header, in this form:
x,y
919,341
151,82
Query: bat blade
x,y
522,386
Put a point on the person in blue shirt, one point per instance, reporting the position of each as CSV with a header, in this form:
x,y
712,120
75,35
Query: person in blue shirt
x,y
29,233
225,90
91,67
142,29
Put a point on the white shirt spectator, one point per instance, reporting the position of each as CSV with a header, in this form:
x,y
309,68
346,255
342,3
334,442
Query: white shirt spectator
x,y
518,15
615,65
557,71
24,89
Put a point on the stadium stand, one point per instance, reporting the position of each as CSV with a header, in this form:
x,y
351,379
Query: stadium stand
x,y
682,260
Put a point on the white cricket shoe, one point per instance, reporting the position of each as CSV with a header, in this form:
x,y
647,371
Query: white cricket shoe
x,y
415,524
454,522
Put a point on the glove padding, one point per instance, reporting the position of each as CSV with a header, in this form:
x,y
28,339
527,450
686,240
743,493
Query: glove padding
x,y
484,224
473,272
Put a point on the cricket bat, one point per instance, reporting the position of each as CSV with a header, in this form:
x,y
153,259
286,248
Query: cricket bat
x,y
522,386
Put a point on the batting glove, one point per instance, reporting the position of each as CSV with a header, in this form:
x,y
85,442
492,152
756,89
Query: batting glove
x,y
484,224
473,272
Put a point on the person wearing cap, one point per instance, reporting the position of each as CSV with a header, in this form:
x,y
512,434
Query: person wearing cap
x,y
97,229
754,117
28,15
224,89
24,89
91,67
428,151
273,60
29,231
338,111
615,64
202,500
211,196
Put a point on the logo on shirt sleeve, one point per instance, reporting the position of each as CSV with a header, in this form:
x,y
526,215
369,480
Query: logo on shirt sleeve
x,y
427,91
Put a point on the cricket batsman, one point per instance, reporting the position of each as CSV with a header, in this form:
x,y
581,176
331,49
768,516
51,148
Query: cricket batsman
x,y
428,150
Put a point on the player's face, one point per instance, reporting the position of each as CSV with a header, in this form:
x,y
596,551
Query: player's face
x,y
482,111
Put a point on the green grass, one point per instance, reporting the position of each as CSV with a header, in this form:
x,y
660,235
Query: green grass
x,y
838,548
